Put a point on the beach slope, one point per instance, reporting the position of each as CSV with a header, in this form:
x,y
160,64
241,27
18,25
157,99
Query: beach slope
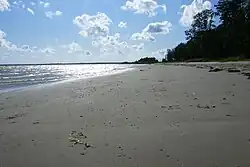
x,y
161,116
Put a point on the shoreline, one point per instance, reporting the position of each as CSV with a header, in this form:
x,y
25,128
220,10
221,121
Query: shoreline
x,y
37,86
155,115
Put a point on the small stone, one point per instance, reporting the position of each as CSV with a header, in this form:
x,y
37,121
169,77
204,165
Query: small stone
x,y
87,145
163,107
82,154
129,157
246,74
224,98
161,149
11,117
228,115
36,122
233,70
81,116
214,106
216,69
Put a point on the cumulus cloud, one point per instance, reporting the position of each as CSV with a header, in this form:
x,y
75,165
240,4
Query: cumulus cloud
x,y
122,25
138,47
4,43
76,48
111,44
147,7
160,54
73,47
142,37
32,3
46,5
31,11
48,51
158,28
51,14
4,5
15,3
93,26
189,11
26,48
152,29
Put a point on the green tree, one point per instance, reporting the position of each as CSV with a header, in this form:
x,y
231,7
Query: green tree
x,y
203,21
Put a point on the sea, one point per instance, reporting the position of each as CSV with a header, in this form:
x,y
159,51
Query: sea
x,y
15,77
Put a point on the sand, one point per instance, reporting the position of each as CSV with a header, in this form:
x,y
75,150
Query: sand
x,y
161,116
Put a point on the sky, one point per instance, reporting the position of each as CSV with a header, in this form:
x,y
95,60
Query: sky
x,y
47,31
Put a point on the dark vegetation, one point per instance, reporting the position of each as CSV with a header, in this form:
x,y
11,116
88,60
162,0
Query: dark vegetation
x,y
229,39
146,60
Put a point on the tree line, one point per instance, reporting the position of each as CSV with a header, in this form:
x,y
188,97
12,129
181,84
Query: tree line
x,y
215,35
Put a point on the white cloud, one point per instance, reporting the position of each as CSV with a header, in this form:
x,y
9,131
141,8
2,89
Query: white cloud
x,y
33,3
142,37
87,53
15,3
111,44
189,11
31,11
158,28
73,47
147,7
93,26
76,48
41,2
20,4
48,51
152,29
138,47
4,43
46,5
51,14
122,25
25,48
160,54
4,5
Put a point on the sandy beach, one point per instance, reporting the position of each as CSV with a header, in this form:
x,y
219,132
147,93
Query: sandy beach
x,y
153,116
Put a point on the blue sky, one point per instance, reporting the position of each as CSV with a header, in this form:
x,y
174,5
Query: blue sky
x,y
44,31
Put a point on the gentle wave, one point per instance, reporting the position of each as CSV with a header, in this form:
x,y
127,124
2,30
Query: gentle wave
x,y
12,77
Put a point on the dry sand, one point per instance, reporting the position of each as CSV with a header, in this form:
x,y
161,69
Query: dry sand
x,y
154,116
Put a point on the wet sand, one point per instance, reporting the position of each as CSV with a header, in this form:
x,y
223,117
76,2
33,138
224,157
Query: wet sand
x,y
160,116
